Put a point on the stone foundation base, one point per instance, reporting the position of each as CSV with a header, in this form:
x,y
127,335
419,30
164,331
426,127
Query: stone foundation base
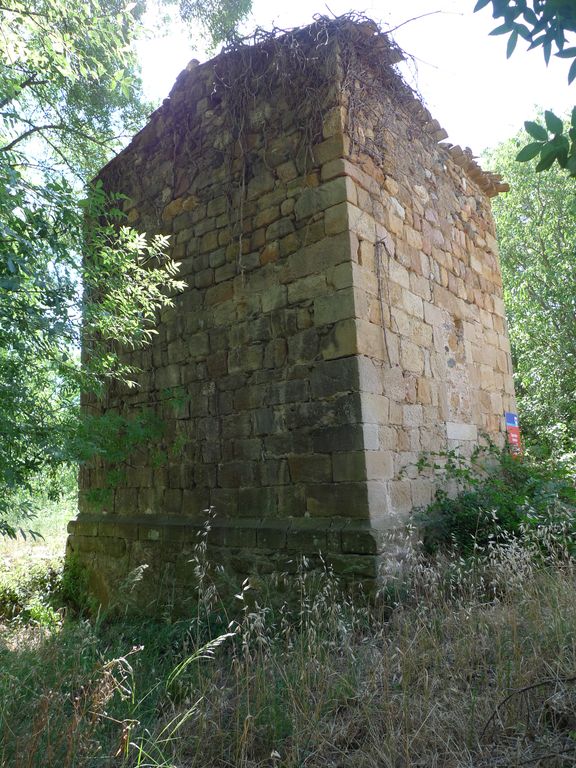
x,y
151,563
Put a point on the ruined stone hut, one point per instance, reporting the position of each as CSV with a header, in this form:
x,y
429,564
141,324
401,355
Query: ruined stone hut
x,y
343,313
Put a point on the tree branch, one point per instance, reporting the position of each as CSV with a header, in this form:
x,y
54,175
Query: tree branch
x,y
26,134
21,86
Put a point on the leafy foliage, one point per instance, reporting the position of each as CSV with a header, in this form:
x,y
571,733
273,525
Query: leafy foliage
x,y
537,236
69,95
220,17
551,144
542,23
500,496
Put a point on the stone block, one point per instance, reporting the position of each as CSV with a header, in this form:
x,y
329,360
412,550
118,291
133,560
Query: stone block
x,y
275,472
172,502
296,390
336,306
331,377
349,466
337,500
334,147
104,545
336,219
413,416
279,229
360,541
354,337
195,502
459,431
224,501
267,216
91,528
235,474
233,533
125,501
274,297
354,566
250,449
303,347
307,541
306,288
411,357
317,258
333,122
401,496
375,408
260,185
167,377
291,501
339,438
317,199
246,358
287,171
363,465
257,502
361,223
117,529
314,468
272,535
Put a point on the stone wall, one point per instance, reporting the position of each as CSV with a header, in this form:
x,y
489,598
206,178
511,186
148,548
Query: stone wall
x,y
342,314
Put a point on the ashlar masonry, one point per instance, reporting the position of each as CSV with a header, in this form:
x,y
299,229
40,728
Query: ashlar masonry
x,y
343,314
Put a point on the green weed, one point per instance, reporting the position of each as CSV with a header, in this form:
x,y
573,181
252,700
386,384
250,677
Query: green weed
x,y
493,496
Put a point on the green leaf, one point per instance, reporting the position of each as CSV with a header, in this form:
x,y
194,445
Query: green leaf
x,y
501,30
572,72
529,152
549,148
566,53
481,4
546,162
513,40
571,165
536,131
523,31
553,123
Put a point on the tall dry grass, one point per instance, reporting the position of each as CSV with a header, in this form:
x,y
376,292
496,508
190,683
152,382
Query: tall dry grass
x,y
456,664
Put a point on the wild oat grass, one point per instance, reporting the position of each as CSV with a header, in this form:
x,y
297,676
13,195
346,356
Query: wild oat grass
x,y
454,665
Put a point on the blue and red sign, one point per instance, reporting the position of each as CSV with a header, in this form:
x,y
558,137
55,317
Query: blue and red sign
x,y
513,432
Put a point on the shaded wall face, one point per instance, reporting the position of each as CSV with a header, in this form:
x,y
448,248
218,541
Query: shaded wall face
x,y
259,399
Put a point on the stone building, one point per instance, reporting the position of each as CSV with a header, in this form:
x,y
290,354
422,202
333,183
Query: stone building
x,y
343,314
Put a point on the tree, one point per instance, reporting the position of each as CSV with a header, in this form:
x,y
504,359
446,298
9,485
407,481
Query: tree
x,y
542,23
69,95
220,18
537,235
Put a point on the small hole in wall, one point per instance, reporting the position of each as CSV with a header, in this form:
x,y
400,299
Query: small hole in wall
x,y
359,253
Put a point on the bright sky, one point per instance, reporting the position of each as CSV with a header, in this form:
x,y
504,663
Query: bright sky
x,y
476,94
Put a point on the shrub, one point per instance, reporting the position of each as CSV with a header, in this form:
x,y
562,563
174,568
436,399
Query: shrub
x,y
495,496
